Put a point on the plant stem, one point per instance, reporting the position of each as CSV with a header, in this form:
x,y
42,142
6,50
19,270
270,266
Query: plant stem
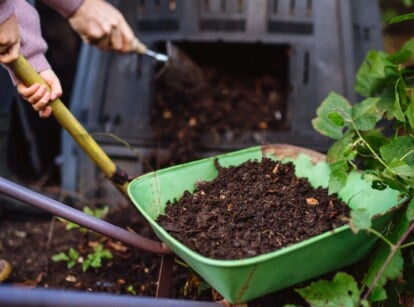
x,y
372,150
407,245
379,235
394,249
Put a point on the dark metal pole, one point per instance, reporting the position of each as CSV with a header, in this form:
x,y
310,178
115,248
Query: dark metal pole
x,y
12,296
54,207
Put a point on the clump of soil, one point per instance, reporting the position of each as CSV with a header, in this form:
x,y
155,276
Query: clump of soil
x,y
251,209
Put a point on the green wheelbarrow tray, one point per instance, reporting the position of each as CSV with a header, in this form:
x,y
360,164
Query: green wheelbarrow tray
x,y
249,278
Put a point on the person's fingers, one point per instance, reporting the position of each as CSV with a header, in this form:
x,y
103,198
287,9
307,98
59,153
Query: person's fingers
x,y
39,99
27,91
42,102
45,112
9,40
53,82
104,43
116,39
34,93
128,37
9,55
39,95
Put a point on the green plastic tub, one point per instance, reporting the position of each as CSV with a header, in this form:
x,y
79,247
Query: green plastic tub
x,y
246,279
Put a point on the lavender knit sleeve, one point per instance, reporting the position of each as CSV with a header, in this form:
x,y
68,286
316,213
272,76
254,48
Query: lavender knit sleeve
x,y
65,8
6,9
33,46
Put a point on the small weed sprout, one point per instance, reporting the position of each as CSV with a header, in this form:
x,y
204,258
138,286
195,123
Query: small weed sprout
x,y
91,260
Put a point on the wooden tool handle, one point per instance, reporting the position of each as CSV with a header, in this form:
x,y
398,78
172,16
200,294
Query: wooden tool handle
x,y
29,76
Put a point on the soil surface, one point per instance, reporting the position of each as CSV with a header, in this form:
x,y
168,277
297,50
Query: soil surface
x,y
29,242
251,209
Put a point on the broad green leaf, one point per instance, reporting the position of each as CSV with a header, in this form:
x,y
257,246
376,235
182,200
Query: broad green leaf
x,y
365,114
378,294
341,291
410,210
400,56
393,270
400,18
395,267
342,149
404,54
402,169
409,113
399,148
338,176
386,102
329,113
375,139
360,220
371,74
399,101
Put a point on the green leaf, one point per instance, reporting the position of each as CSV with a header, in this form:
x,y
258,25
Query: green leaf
x,y
395,267
401,18
85,266
399,149
360,220
378,294
341,291
338,176
399,101
402,169
410,210
342,149
386,102
404,54
409,113
60,257
393,270
371,74
365,114
73,254
329,113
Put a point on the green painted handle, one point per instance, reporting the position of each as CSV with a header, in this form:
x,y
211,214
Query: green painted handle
x,y
28,75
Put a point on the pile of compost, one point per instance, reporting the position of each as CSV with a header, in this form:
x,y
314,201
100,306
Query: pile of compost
x,y
251,209
224,97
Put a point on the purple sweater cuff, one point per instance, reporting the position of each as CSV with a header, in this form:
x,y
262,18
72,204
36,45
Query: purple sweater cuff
x,y
65,8
6,9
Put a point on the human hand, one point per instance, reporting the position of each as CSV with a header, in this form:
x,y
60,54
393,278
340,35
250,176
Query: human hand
x,y
103,25
39,95
9,40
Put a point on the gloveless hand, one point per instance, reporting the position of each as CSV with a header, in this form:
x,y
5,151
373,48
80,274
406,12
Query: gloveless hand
x,y
9,40
103,25
39,95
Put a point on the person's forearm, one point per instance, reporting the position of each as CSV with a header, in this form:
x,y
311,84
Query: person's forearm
x,y
65,8
6,9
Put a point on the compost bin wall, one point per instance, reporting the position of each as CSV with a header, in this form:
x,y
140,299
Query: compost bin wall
x,y
113,94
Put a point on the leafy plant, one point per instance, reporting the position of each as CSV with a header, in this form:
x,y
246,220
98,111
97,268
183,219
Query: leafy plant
x,y
95,258
71,257
375,136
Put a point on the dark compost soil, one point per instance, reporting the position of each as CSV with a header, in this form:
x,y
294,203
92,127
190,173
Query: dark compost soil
x,y
224,96
28,242
252,209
